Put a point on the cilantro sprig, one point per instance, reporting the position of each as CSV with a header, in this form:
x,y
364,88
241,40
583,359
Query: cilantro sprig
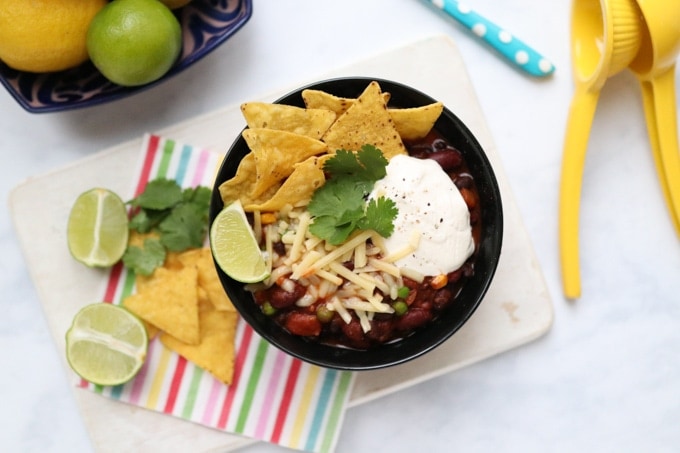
x,y
177,217
339,207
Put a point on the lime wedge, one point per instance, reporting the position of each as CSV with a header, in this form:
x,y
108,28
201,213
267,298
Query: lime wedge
x,y
106,344
234,246
97,231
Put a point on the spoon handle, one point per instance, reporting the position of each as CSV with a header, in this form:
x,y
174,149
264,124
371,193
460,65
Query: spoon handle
x,y
514,50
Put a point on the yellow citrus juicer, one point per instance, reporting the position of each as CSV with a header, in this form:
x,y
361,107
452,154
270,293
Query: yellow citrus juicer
x,y
605,38
654,67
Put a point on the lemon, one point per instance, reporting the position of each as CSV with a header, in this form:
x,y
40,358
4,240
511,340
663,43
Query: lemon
x,y
97,230
234,246
106,344
45,35
134,42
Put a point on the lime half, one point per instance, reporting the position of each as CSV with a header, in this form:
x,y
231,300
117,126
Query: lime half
x,y
98,229
234,246
106,344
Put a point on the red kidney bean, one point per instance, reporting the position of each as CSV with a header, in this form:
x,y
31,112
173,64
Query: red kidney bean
x,y
280,298
303,324
441,298
381,330
449,158
413,319
455,275
464,181
353,331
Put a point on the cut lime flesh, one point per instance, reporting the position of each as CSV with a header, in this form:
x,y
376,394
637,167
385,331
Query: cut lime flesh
x,y
97,231
106,344
234,246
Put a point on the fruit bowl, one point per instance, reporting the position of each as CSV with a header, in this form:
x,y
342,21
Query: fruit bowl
x,y
454,315
205,25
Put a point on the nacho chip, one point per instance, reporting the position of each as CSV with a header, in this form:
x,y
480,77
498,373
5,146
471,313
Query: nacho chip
x,y
208,281
309,122
241,186
215,351
300,185
276,153
366,121
317,99
136,239
415,123
169,301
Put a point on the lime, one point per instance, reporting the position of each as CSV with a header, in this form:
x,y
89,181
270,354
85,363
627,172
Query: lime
x,y
106,344
97,230
234,246
175,4
134,42
45,35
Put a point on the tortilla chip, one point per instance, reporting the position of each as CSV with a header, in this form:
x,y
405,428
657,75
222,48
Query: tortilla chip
x,y
215,351
317,99
366,121
136,239
415,123
208,281
172,261
151,330
169,301
299,186
241,186
309,122
276,153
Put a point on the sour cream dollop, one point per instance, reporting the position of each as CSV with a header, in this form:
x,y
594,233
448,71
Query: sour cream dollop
x,y
430,205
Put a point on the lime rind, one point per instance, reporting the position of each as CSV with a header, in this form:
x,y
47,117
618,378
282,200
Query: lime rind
x,y
106,344
235,248
98,229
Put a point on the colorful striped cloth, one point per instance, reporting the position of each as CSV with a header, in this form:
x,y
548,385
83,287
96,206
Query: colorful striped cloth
x,y
273,397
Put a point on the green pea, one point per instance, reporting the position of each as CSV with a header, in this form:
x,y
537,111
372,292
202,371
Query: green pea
x,y
402,293
400,307
268,309
324,314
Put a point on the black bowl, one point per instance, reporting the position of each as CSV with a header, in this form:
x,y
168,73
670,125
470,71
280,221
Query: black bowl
x,y
454,316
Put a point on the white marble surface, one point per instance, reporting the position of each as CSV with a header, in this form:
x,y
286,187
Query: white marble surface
x,y
607,375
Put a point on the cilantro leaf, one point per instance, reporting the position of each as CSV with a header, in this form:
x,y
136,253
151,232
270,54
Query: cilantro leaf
x,y
200,196
143,261
380,215
336,196
159,194
367,164
183,228
339,207
373,161
146,219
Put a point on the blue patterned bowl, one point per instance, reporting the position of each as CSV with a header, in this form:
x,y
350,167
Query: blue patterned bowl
x,y
205,25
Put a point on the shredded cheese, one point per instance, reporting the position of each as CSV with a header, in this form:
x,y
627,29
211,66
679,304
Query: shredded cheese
x,y
300,234
413,275
412,246
351,276
257,225
344,248
336,305
385,267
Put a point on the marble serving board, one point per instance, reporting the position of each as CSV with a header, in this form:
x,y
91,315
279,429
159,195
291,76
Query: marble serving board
x,y
516,310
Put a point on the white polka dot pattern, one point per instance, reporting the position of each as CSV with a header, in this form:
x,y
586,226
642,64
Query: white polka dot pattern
x,y
503,41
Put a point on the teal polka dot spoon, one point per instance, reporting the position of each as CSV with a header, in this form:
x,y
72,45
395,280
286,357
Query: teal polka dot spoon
x,y
514,50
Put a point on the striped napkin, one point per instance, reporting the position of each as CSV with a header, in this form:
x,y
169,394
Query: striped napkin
x,y
273,397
